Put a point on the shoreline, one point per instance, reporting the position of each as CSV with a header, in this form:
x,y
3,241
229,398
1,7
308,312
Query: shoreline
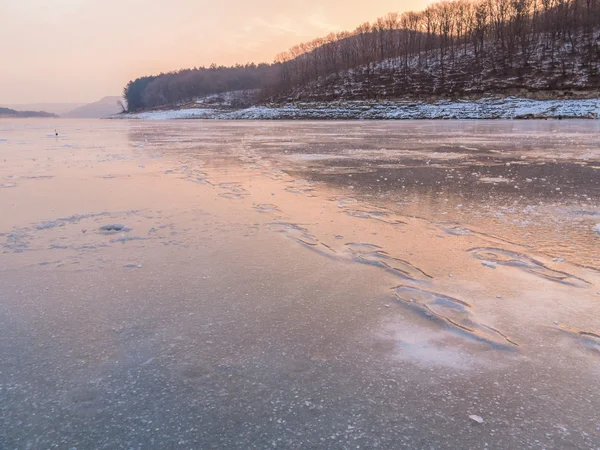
x,y
507,108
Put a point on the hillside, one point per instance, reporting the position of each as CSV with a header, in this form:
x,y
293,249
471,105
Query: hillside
x,y
11,113
458,49
455,76
105,107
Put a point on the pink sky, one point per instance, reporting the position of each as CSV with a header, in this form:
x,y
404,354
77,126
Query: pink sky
x,y
82,50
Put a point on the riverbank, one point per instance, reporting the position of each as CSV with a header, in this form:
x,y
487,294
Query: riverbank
x,y
484,108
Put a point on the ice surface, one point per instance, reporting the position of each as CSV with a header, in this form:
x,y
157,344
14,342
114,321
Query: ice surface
x,y
527,263
453,312
249,276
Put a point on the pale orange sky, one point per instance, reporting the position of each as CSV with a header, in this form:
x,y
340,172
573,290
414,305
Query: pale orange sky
x,y
82,50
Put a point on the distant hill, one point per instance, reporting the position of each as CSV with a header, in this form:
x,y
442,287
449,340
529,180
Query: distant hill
x,y
7,112
51,107
102,108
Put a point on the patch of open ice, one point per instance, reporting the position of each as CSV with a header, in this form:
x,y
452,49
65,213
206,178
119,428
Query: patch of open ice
x,y
114,229
313,157
124,239
48,225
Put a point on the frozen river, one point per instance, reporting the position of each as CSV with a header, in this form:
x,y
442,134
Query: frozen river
x,y
338,285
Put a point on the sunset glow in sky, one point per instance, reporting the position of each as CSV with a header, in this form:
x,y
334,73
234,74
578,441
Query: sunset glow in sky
x,y
82,50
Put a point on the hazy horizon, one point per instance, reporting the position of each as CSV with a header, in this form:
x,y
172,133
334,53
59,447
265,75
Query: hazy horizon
x,y
79,51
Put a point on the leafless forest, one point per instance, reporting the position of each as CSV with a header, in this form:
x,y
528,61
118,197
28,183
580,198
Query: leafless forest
x,y
451,48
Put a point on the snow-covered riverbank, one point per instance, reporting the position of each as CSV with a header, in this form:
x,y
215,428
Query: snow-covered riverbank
x,y
486,108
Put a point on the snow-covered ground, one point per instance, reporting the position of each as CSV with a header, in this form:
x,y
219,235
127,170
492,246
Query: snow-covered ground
x,y
229,99
485,108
